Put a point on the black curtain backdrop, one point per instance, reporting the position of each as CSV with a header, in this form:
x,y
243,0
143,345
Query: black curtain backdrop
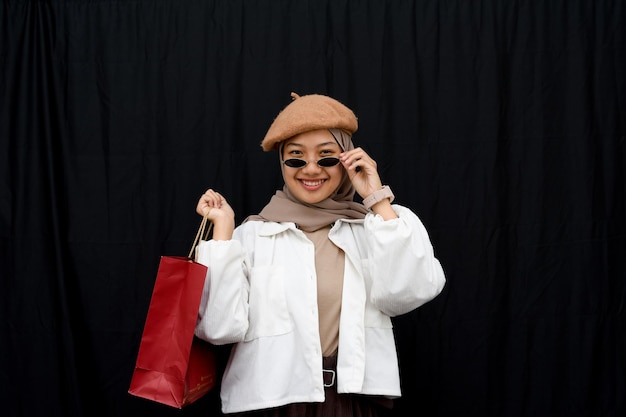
x,y
501,123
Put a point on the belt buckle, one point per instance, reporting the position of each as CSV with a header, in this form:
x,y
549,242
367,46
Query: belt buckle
x,y
332,377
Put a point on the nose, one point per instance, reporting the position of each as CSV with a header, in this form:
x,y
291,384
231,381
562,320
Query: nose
x,y
311,166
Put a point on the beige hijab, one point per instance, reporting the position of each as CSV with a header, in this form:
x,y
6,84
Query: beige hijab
x,y
285,207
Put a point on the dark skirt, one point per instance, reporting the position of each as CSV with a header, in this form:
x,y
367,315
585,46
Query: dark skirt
x,y
335,405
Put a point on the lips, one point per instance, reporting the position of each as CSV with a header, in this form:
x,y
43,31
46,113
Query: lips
x,y
312,184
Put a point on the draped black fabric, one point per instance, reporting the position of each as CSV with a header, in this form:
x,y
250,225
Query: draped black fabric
x,y
501,123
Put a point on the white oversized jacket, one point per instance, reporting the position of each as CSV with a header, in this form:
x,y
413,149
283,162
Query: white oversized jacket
x,y
260,293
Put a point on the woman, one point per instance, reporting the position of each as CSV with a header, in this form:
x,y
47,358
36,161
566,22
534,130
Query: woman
x,y
306,289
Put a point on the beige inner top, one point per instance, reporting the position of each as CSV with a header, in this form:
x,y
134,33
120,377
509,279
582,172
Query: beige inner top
x,y
329,265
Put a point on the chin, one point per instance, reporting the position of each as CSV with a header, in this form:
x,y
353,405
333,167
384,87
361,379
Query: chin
x,y
312,199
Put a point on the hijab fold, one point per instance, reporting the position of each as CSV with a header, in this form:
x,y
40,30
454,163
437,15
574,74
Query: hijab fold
x,y
285,207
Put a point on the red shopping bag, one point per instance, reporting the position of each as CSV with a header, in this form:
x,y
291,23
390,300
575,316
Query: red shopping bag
x,y
173,366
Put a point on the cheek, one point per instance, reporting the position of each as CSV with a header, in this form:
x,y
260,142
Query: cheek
x,y
338,172
289,178
287,173
337,176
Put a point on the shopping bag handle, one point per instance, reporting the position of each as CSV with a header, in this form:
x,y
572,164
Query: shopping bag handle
x,y
202,234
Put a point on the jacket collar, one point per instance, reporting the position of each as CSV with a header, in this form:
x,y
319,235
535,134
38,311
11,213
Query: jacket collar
x,y
273,228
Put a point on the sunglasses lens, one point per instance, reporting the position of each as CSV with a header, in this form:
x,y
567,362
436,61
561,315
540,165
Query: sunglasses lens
x,y
328,162
295,163
300,163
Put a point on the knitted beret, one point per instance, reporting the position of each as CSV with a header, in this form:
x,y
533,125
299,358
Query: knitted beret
x,y
306,113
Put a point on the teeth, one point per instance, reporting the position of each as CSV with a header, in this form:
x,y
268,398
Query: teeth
x,y
312,183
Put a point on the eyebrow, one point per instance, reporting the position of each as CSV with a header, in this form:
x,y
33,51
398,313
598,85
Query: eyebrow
x,y
321,145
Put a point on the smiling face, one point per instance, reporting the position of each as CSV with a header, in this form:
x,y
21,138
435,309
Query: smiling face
x,y
312,183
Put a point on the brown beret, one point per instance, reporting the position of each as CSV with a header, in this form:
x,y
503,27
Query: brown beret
x,y
306,113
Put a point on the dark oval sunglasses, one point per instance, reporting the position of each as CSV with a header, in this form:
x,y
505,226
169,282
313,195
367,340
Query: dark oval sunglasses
x,y
301,163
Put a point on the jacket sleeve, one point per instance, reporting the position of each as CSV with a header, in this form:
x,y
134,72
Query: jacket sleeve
x,y
404,271
223,313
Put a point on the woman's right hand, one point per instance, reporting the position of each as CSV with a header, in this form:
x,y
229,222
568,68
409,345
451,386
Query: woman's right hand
x,y
213,205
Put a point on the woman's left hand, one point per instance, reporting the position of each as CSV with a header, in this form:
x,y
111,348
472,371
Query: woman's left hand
x,y
366,179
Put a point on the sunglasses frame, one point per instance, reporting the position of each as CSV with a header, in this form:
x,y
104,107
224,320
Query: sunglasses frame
x,y
326,162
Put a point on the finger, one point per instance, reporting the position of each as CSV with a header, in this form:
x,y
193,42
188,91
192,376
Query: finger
x,y
219,200
213,198
356,164
353,156
202,207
